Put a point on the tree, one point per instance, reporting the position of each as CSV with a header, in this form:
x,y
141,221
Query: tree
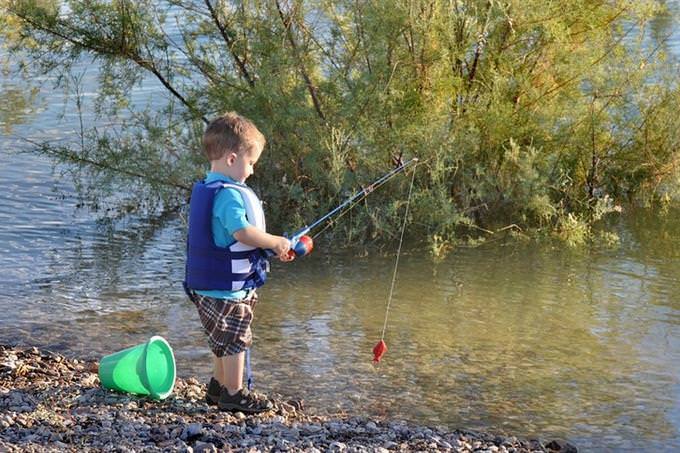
x,y
528,116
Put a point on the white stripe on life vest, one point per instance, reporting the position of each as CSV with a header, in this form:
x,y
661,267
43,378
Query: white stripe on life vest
x,y
254,214
237,286
240,266
254,211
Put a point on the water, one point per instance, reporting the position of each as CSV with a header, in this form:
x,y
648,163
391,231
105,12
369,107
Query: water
x,y
525,339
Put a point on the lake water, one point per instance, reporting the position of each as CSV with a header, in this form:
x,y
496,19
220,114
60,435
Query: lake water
x,y
582,345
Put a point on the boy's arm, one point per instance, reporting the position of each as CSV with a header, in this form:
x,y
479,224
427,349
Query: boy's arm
x,y
255,237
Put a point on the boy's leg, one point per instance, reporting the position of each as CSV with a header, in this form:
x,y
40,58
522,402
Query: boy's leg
x,y
234,396
218,370
232,370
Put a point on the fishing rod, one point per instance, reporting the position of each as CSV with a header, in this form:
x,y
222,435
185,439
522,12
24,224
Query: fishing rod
x,y
302,244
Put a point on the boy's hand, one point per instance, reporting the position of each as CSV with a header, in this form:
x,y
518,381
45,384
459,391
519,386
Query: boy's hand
x,y
288,256
255,237
280,247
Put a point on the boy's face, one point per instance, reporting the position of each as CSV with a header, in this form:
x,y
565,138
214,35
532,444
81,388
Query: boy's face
x,y
242,165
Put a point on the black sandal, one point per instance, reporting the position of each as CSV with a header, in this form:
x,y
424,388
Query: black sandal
x,y
212,396
244,401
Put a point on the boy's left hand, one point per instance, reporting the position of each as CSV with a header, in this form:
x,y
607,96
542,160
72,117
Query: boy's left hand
x,y
288,256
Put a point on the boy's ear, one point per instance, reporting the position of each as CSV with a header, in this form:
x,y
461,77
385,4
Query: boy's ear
x,y
231,158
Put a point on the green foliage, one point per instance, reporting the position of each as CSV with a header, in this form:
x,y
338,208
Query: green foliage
x,y
528,116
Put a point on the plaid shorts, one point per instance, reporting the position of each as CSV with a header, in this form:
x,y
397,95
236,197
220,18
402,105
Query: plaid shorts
x,y
226,321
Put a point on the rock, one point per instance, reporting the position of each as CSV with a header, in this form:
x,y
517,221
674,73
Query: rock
x,y
312,428
372,427
298,405
191,431
204,447
336,427
562,447
337,446
90,380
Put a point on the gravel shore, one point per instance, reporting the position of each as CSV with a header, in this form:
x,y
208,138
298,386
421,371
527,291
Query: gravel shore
x,y
49,402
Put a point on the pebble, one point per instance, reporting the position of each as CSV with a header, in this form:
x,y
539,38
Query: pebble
x,y
51,402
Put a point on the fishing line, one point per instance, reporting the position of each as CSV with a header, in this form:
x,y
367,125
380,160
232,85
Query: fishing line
x,y
366,193
396,262
380,348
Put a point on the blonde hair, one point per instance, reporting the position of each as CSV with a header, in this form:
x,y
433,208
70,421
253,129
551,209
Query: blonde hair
x,y
230,133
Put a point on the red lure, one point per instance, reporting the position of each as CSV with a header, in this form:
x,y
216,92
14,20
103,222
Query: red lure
x,y
378,350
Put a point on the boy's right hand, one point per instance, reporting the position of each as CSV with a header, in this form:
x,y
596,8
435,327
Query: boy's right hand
x,y
281,246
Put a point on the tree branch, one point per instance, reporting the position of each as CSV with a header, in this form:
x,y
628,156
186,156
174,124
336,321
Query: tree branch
x,y
126,53
287,23
230,44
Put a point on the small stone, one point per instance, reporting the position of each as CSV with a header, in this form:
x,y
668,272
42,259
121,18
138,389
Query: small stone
x,y
336,427
282,444
512,440
204,447
297,404
562,447
312,428
337,446
90,380
191,431
233,429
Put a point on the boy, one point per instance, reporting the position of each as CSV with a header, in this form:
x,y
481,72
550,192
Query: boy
x,y
225,256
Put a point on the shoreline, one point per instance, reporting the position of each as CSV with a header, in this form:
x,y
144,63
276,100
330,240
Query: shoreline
x,y
49,402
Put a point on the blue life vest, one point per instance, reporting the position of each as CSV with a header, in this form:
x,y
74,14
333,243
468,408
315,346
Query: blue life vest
x,y
210,267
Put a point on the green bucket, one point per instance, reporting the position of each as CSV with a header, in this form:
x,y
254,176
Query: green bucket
x,y
145,369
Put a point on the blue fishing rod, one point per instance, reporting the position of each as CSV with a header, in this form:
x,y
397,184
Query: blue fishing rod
x,y
302,244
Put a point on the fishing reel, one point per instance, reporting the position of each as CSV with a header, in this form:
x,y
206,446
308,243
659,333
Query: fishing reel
x,y
301,246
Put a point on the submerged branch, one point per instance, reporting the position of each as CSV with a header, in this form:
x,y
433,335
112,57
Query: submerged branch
x,y
66,155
